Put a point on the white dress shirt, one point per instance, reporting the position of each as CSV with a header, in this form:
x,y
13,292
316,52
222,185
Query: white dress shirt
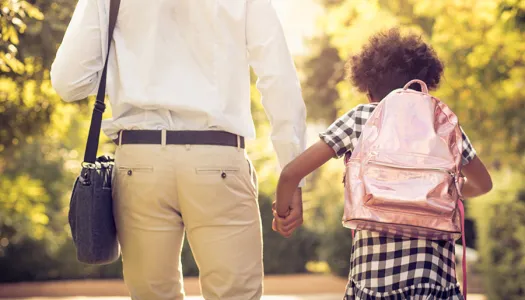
x,y
184,65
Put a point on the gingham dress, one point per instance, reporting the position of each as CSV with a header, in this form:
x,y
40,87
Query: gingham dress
x,y
384,267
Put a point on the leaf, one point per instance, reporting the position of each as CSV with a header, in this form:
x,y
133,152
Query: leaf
x,y
32,11
13,35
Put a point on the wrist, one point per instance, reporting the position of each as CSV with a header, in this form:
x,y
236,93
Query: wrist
x,y
281,209
282,216
283,213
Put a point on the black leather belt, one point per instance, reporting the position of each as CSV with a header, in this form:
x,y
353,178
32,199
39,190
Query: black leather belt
x,y
154,137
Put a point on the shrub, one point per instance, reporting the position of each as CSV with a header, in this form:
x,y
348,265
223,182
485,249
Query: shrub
x,y
504,259
30,260
286,256
336,248
281,256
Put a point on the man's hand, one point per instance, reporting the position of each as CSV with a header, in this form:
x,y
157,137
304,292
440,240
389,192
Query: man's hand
x,y
287,224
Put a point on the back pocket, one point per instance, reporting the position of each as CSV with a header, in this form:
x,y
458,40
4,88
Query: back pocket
x,y
217,171
130,171
412,190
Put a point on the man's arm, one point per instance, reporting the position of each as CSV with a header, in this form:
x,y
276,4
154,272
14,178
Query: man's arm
x,y
278,82
77,68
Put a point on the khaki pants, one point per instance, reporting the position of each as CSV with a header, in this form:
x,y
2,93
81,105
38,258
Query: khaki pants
x,y
209,192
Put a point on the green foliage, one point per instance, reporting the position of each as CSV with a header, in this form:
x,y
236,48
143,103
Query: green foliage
x,y
336,246
34,175
28,45
322,71
13,20
500,221
34,187
281,256
28,259
40,136
19,211
323,199
504,264
480,42
285,255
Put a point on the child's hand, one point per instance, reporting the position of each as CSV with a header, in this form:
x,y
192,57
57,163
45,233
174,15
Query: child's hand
x,y
287,224
276,216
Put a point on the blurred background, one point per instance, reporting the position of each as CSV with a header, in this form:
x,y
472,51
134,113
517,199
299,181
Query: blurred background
x,y
482,43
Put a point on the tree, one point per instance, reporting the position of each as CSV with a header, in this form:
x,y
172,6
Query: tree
x,y
319,89
480,42
32,174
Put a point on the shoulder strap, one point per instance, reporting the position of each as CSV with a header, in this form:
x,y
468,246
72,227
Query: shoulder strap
x,y
96,119
463,246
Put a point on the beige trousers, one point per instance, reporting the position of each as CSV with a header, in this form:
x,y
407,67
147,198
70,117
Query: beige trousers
x,y
209,192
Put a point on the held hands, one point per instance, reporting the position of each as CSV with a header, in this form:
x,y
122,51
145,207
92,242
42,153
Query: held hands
x,y
288,205
286,222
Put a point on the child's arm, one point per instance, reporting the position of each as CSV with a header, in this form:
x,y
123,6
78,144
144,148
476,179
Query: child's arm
x,y
335,141
478,182
297,169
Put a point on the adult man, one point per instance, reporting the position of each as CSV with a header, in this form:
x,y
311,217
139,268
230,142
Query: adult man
x,y
178,81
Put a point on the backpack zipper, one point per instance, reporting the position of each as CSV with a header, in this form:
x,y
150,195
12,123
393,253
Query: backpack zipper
x,y
391,166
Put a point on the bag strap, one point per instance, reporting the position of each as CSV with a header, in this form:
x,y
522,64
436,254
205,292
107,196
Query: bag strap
x,y
423,85
96,118
464,246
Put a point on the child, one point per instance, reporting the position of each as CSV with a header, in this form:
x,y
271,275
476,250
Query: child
x,y
384,267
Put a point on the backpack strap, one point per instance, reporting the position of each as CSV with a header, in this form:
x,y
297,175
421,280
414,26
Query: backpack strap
x,y
346,160
347,157
90,155
464,244
423,85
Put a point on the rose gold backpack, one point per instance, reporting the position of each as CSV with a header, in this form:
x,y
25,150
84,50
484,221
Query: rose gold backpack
x,y
404,176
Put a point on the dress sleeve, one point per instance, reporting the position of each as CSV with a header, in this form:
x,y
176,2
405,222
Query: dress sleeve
x,y
343,134
469,152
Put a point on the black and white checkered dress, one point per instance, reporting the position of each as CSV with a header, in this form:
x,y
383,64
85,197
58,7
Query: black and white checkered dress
x,y
384,267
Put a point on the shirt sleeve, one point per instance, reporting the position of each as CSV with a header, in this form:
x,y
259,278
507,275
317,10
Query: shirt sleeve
x,y
469,152
278,83
343,134
78,65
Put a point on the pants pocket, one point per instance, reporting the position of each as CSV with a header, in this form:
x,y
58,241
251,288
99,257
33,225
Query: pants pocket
x,y
222,172
253,176
130,170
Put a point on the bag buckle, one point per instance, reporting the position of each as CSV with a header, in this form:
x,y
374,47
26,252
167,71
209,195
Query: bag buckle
x,y
87,165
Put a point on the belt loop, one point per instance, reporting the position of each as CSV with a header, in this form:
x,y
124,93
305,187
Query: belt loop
x,y
120,134
163,137
238,142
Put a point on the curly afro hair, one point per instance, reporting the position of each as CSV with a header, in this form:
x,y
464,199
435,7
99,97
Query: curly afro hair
x,y
389,60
